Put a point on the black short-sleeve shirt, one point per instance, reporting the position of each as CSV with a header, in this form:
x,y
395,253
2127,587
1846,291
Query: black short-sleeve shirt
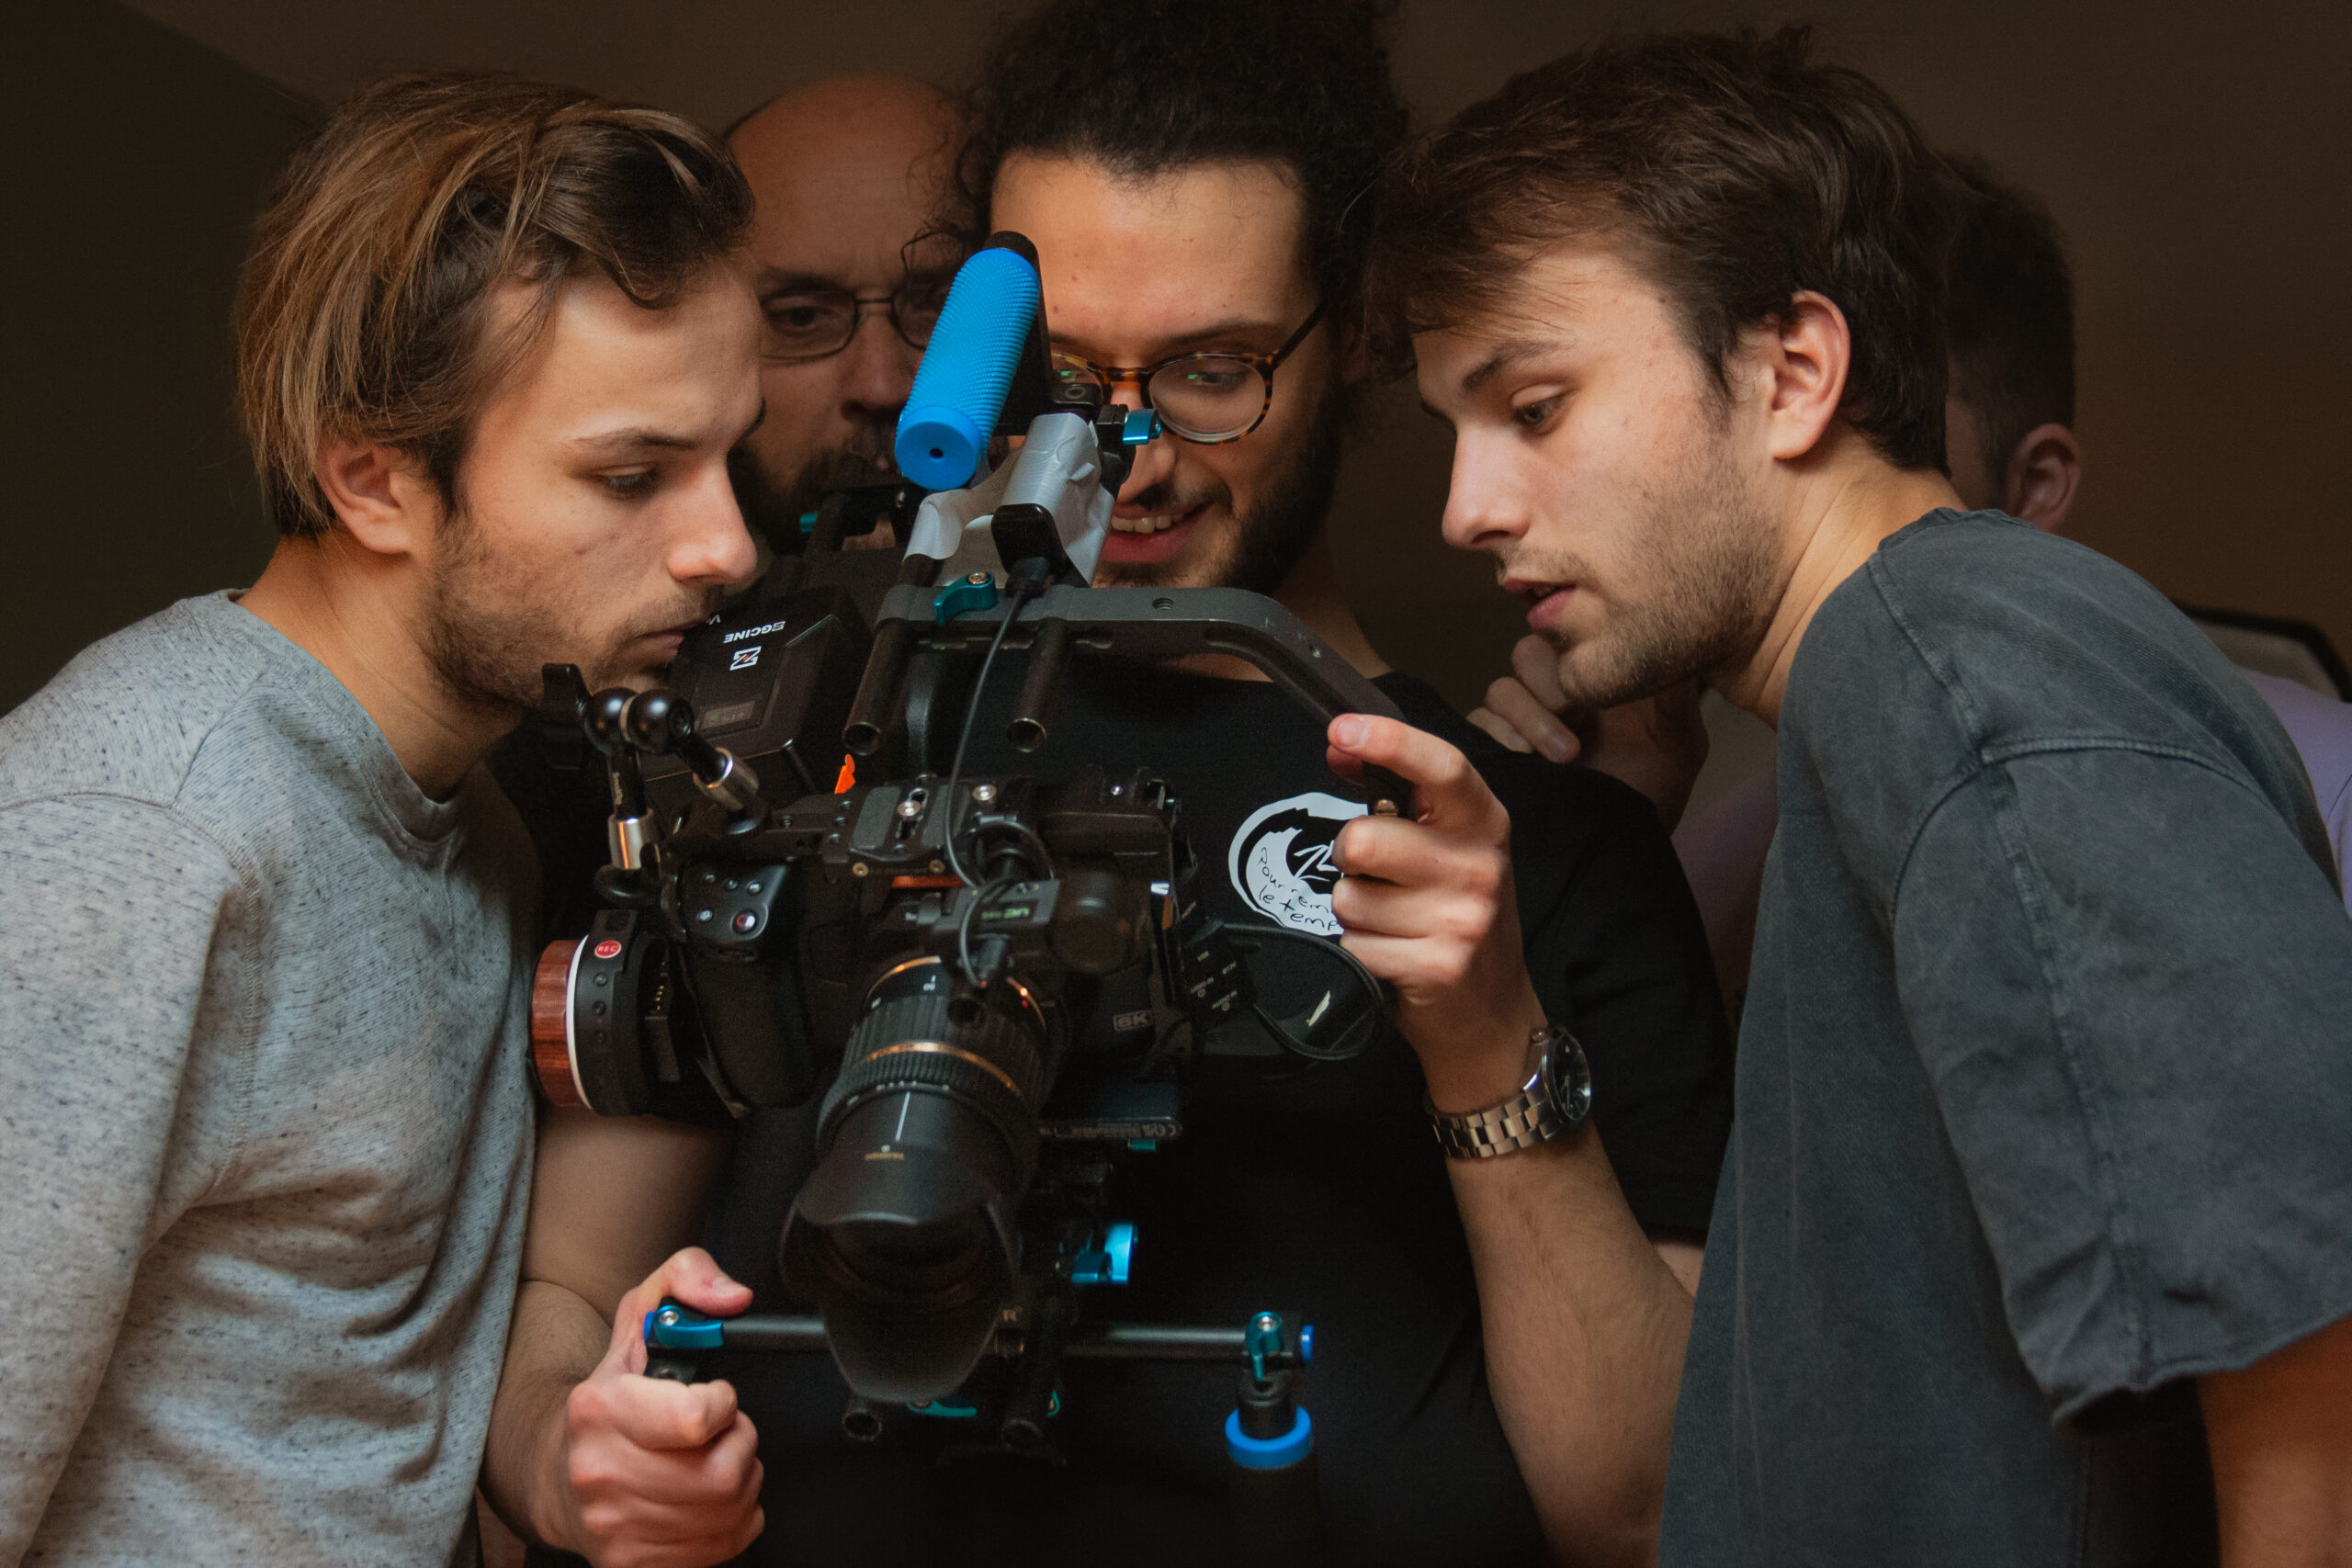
x,y
2045,1076
1320,1189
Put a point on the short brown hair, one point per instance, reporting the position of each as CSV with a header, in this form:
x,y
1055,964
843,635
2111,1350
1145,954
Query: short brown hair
x,y
363,310
1741,171
2011,303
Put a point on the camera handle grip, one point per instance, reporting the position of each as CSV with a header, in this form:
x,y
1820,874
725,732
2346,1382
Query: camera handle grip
x,y
1155,625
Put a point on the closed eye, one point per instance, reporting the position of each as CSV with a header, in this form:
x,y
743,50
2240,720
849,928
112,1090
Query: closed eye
x,y
634,485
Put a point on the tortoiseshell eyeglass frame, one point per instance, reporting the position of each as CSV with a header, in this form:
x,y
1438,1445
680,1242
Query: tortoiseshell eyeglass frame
x,y
1139,376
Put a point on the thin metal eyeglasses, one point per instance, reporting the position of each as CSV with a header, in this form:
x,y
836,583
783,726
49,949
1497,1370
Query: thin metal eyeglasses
x,y
816,323
1207,398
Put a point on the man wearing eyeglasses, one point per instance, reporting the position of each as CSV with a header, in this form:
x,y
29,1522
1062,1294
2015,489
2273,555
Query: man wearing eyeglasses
x,y
851,262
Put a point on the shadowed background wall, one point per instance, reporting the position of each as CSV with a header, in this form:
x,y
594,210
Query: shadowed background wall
x,y
2187,151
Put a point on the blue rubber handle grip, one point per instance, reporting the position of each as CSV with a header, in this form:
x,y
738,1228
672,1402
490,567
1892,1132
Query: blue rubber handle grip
x,y
960,387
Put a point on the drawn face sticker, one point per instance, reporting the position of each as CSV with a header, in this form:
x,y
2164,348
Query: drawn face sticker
x,y
1281,860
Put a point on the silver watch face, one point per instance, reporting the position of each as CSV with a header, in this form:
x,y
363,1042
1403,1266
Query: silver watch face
x,y
1568,1079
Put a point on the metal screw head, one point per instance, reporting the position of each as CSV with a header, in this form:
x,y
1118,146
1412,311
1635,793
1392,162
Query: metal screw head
x,y
859,868
910,809
977,579
984,793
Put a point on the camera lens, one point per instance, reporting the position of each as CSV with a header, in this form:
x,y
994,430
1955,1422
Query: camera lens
x,y
904,1234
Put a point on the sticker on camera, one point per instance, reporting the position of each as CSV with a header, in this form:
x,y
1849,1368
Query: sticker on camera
x,y
1281,860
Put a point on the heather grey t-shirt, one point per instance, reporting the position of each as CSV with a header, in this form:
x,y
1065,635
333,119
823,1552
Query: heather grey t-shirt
x,y
2045,1093
265,1123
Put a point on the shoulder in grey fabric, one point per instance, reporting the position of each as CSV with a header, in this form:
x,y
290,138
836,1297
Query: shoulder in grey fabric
x,y
265,1123
2043,1080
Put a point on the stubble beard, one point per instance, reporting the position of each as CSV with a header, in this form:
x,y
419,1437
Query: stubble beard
x,y
772,505
489,627
1266,541
1709,545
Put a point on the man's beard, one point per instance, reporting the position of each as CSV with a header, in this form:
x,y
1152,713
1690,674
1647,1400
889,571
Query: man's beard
x,y
489,627
774,504
1266,541
1709,548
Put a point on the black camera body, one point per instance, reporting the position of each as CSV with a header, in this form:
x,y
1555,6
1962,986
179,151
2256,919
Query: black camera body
x,y
752,950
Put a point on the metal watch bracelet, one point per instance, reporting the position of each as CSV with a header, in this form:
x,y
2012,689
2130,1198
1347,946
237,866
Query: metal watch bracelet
x,y
1525,1119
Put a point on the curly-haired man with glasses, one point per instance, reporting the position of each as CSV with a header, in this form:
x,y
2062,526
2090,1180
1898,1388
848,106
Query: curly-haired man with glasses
x,y
1191,174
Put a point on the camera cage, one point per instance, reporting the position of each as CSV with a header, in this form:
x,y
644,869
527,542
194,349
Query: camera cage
x,y
703,936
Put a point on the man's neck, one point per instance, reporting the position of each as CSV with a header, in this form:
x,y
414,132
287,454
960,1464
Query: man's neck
x,y
345,607
1311,593
1841,512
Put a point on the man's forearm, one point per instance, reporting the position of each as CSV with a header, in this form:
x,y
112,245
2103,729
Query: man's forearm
x,y
1585,1327
556,1342
2279,1434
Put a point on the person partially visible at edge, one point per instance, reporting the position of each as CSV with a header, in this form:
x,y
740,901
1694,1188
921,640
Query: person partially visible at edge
x,y
2034,1241
2010,444
1493,1371
267,1128
853,248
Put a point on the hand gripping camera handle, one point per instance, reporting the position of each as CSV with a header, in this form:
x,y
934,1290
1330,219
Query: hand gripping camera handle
x,y
967,372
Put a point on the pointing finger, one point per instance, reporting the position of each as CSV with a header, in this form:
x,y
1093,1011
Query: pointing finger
x,y
1452,796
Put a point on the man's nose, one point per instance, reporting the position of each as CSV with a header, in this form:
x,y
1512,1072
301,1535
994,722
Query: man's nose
x,y
712,546
877,368
1482,509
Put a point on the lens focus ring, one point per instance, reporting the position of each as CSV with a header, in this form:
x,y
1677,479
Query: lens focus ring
x,y
907,1042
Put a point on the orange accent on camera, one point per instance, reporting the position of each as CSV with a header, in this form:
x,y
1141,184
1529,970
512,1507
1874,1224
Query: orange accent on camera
x,y
550,1054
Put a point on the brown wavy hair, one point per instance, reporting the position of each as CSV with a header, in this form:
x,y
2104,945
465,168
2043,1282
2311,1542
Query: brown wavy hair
x,y
1737,169
364,308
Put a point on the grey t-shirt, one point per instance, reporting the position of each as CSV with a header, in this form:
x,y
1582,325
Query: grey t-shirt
x,y
2044,1096
264,1122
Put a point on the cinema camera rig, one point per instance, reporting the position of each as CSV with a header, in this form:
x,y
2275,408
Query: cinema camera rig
x,y
944,939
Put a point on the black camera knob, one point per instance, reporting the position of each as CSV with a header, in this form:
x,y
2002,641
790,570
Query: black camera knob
x,y
660,722
606,717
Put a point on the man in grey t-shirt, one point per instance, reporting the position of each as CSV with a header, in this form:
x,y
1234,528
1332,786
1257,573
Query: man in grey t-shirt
x,y
265,925
2034,1243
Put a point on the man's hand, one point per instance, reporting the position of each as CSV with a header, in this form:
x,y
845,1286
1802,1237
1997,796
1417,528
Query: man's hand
x,y
1428,906
1656,745
656,1474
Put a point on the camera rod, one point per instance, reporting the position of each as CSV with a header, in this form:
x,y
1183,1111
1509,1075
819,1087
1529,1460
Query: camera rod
x,y
672,1329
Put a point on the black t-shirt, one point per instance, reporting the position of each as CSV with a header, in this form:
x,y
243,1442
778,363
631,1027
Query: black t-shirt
x,y
1321,1189
2043,1080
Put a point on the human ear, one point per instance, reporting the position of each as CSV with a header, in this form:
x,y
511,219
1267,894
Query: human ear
x,y
381,496
2044,472
1803,359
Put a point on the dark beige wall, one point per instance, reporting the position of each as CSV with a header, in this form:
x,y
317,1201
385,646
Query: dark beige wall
x,y
135,161
2193,152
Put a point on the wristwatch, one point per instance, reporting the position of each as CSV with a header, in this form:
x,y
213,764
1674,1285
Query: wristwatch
x,y
1550,1104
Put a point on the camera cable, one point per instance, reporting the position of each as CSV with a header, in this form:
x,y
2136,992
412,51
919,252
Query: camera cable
x,y
1360,1030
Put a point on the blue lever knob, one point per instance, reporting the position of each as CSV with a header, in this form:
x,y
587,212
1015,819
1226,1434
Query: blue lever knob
x,y
977,592
673,1328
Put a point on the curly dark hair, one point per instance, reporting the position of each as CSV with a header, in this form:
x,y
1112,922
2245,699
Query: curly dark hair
x,y
1741,171
1144,86
2011,302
